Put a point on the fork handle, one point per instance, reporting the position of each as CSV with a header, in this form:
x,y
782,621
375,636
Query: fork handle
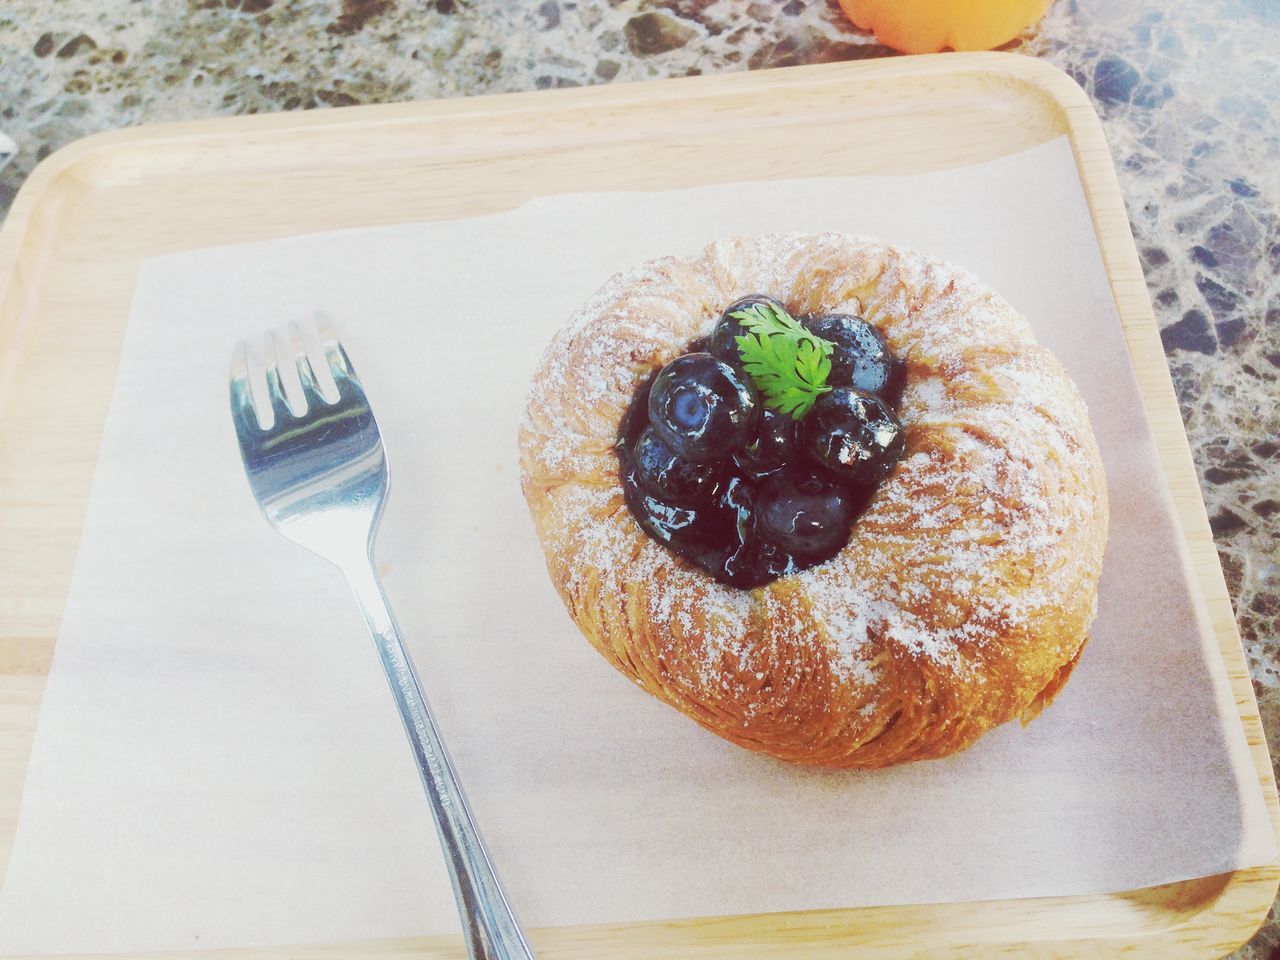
x,y
490,926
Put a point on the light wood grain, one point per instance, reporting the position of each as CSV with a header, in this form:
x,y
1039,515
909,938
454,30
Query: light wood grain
x,y
77,231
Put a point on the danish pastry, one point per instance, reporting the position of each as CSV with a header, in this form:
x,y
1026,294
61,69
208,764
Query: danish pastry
x,y
827,497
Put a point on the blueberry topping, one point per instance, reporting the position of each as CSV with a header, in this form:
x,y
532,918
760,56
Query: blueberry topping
x,y
749,561
724,339
746,492
861,358
705,535
738,501
771,448
664,474
854,435
719,536
703,408
805,514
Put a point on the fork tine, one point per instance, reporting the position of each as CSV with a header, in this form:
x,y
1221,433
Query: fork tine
x,y
243,413
275,389
310,388
339,363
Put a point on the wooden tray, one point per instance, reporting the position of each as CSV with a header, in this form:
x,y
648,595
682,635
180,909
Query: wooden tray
x,y
69,253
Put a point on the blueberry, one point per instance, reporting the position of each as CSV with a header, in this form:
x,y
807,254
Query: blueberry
x,y
861,358
667,475
854,435
805,514
772,447
756,563
704,408
677,527
724,339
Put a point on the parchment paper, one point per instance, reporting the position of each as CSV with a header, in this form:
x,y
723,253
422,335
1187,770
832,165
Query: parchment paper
x,y
218,762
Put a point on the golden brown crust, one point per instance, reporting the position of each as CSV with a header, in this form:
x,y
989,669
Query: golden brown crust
x,y
964,595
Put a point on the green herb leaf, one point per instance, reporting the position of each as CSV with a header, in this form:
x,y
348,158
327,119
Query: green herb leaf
x,y
789,365
765,319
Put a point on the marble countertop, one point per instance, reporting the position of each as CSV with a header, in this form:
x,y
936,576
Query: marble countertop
x,y
1189,97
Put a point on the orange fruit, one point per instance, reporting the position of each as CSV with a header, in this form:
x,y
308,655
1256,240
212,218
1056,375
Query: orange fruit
x,y
925,26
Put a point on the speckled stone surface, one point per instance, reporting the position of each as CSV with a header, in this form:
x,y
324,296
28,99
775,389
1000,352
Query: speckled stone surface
x,y
1189,95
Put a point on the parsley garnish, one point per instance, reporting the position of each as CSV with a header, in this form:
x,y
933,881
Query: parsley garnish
x,y
789,364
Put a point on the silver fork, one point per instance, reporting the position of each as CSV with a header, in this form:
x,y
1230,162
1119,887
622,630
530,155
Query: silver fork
x,y
321,479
